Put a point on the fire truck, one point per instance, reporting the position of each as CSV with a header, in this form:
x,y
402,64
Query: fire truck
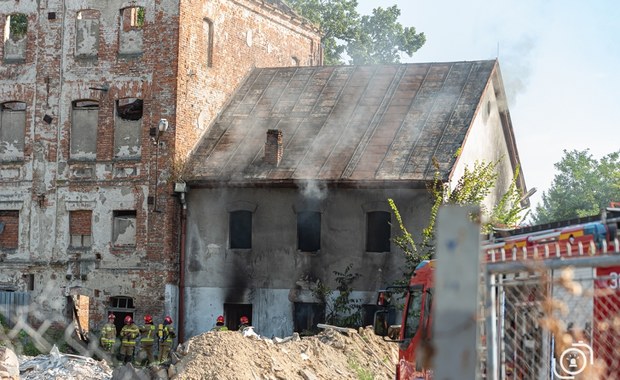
x,y
567,240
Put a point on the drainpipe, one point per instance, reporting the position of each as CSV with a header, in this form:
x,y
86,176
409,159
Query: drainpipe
x,y
182,269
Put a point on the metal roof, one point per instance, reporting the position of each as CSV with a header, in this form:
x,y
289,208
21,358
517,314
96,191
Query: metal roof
x,y
345,123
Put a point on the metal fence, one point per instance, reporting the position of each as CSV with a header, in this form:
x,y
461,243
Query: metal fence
x,y
552,318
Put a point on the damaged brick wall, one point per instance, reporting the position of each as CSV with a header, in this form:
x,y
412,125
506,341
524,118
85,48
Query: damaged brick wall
x,y
95,53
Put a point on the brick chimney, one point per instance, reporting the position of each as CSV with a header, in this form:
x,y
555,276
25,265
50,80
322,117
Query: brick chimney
x,y
273,147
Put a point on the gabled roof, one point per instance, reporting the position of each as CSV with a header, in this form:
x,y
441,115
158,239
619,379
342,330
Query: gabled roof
x,y
345,123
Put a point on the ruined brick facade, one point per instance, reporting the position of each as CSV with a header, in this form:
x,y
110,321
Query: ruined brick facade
x,y
82,93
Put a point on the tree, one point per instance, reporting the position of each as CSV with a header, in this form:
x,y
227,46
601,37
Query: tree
x,y
378,38
582,187
472,188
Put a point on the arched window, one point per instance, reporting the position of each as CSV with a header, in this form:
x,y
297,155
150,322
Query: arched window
x,y
84,121
15,33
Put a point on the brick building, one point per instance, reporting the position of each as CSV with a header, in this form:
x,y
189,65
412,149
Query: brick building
x,y
100,103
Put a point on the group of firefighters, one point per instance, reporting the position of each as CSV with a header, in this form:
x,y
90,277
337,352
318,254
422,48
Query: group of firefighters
x,y
148,334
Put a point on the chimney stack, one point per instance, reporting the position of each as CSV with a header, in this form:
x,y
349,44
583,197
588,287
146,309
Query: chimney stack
x,y
273,147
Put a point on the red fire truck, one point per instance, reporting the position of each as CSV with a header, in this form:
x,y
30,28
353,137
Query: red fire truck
x,y
584,237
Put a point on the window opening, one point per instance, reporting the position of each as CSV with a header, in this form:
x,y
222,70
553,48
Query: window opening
x,y
234,311
240,229
124,228
133,18
208,31
84,122
17,27
129,108
309,231
80,227
378,231
307,316
9,229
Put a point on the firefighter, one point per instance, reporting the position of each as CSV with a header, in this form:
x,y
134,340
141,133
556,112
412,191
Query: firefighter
x,y
108,334
166,335
244,323
219,324
147,340
129,334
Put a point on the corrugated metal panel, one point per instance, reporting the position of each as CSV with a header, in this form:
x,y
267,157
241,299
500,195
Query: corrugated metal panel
x,y
13,304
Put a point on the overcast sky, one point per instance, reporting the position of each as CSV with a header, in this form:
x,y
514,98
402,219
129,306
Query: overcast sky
x,y
560,61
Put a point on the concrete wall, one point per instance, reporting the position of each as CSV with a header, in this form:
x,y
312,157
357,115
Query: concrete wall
x,y
273,274
77,50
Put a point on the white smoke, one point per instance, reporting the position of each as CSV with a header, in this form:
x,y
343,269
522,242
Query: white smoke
x,y
313,190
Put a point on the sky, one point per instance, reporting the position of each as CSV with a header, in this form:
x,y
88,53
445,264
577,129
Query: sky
x,y
560,63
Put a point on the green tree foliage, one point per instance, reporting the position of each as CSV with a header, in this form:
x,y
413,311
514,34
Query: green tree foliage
x,y
471,189
343,310
18,26
378,38
582,186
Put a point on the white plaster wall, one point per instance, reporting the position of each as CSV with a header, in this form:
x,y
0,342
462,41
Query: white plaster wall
x,y
486,143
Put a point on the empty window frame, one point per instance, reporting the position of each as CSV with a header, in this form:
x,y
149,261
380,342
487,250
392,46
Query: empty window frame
x,y
131,28
308,231
124,228
208,36
12,130
84,121
9,229
87,26
80,228
15,33
240,229
306,316
128,128
378,231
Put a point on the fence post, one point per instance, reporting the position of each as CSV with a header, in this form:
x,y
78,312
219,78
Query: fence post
x,y
457,288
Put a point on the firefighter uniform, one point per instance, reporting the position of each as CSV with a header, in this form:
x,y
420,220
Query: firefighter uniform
x,y
166,335
129,334
108,334
147,339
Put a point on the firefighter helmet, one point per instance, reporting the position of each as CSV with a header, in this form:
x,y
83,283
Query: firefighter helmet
x,y
220,319
244,320
128,320
148,319
168,320
111,316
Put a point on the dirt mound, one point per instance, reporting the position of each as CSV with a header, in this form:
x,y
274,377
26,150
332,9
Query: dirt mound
x,y
228,355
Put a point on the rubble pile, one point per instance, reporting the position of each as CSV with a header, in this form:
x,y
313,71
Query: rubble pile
x,y
335,353
62,366
228,355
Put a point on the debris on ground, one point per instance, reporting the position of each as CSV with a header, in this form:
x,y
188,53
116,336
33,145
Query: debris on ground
x,y
228,355
335,353
56,365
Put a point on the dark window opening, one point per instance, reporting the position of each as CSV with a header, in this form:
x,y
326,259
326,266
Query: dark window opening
x,y
121,307
13,106
29,281
129,108
307,316
234,311
208,31
309,231
378,231
240,227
